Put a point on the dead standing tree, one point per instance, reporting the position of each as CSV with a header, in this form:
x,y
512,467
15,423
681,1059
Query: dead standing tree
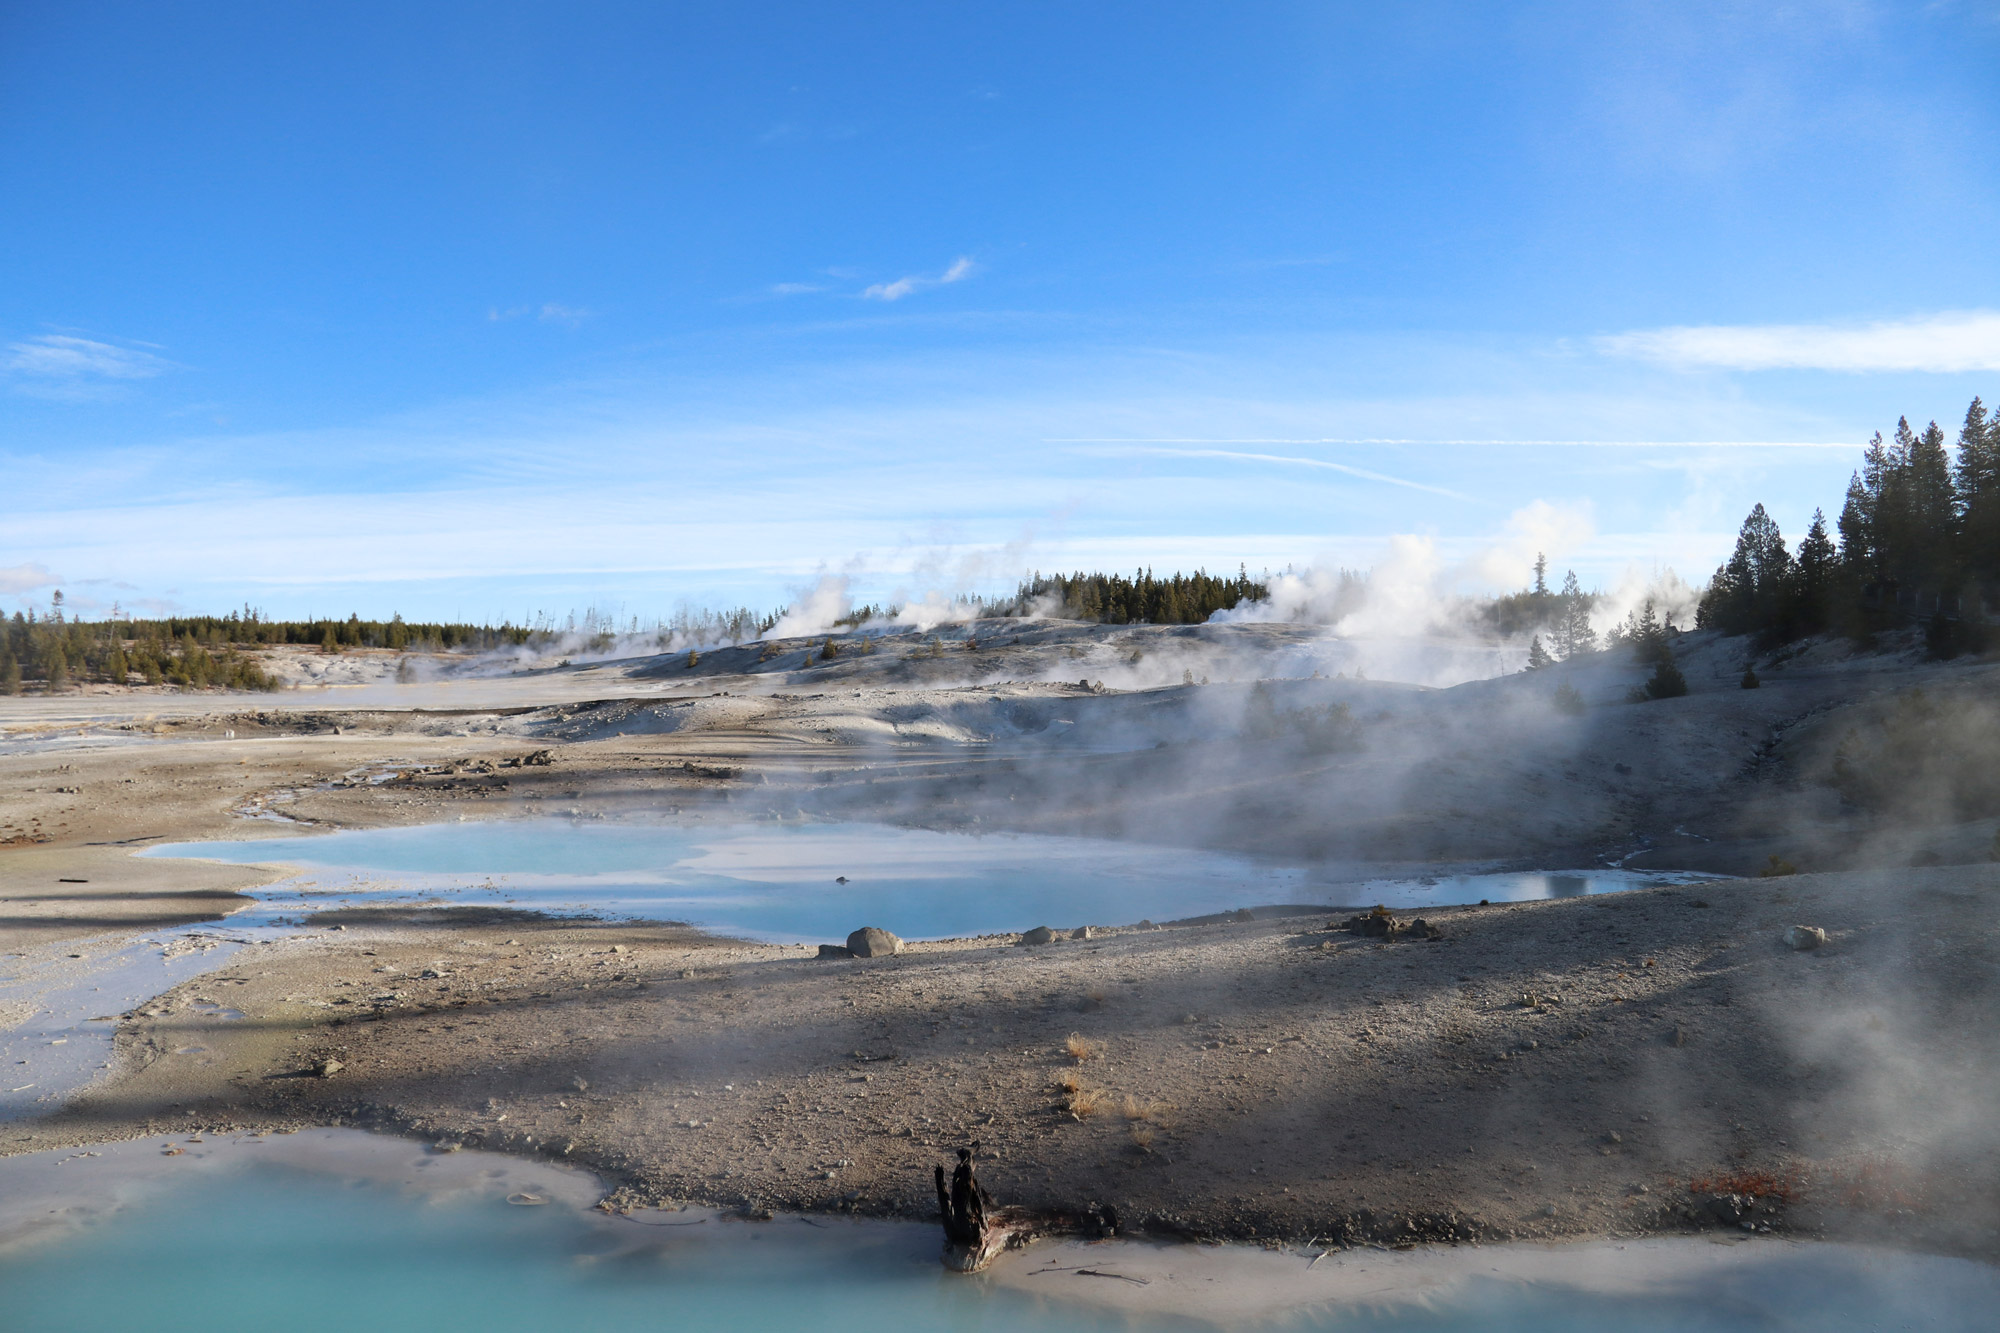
x,y
976,1231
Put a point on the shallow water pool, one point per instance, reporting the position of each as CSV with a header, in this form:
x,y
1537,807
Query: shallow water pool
x,y
343,1231
784,881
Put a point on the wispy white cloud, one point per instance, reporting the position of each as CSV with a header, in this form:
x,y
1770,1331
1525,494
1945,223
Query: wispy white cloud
x,y
1237,455
794,288
1944,343
61,365
549,312
961,269
1429,441
18,579
739,489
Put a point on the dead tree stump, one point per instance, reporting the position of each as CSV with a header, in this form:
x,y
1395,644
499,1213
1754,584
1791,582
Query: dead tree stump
x,y
975,1231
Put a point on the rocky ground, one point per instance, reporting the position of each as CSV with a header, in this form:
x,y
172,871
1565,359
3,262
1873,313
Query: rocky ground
x,y
1614,1065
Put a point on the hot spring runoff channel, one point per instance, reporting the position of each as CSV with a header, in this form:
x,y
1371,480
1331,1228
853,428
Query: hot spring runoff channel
x,y
817,882
334,1230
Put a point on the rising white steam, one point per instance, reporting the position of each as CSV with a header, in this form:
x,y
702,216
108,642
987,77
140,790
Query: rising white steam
x,y
817,610
925,613
1415,590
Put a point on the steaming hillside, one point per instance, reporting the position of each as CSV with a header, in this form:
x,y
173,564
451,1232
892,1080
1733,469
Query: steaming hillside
x,y
1651,1035
1278,739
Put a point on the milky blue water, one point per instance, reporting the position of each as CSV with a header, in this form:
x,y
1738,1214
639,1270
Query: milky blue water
x,y
272,1247
781,881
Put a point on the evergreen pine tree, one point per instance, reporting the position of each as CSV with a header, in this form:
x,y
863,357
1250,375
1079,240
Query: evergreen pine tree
x,y
1814,574
1573,634
1750,681
1749,593
10,677
1857,533
1666,682
1932,513
1978,484
1538,656
1648,639
1893,544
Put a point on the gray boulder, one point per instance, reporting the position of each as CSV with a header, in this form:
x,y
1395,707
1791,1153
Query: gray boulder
x,y
1805,937
1039,935
873,942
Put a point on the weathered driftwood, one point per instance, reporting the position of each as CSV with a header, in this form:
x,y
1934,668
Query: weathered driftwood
x,y
1005,1229
976,1232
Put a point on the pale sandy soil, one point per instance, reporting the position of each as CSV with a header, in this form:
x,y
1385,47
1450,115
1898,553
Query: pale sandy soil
x,y
1282,1081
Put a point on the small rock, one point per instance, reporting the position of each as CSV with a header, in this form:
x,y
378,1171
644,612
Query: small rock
x,y
1677,1036
1244,914
1039,935
1378,924
1083,933
1728,1208
873,942
327,1068
835,951
1804,937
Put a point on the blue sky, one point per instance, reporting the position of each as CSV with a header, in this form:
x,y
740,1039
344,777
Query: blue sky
x,y
492,309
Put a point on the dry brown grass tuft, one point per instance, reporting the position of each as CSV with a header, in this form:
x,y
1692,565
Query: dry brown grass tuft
x,y
1069,1081
1082,1048
1136,1109
1087,1102
1142,1137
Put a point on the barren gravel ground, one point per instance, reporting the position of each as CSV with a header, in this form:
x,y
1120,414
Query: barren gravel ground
x,y
1599,1066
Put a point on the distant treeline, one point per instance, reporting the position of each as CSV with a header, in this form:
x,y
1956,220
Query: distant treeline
x,y
1919,543
1114,599
56,652
202,651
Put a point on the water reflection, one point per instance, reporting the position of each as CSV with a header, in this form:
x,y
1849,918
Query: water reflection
x,y
809,882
